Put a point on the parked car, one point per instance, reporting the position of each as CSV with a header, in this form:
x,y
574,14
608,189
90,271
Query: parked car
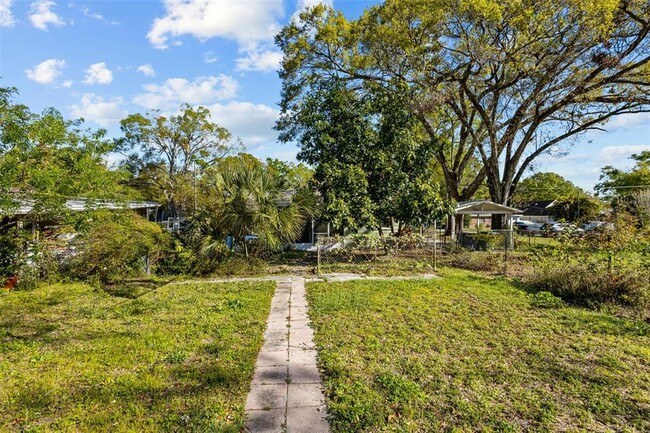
x,y
556,228
528,227
596,225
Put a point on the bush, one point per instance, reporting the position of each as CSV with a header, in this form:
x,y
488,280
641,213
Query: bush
x,y
475,261
115,245
546,300
590,286
13,247
239,266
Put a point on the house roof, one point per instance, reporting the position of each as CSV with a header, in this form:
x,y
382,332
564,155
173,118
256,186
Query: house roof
x,y
78,205
539,208
483,207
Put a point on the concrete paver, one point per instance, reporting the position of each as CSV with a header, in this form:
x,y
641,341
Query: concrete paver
x,y
314,417
305,395
275,375
266,421
267,397
286,392
303,374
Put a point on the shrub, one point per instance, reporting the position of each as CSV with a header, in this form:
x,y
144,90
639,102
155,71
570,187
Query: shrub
x,y
592,286
475,261
546,300
239,266
116,245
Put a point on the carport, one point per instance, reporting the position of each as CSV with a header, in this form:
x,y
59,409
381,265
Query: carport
x,y
484,208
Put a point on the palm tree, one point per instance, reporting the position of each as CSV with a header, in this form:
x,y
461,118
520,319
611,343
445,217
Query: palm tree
x,y
250,201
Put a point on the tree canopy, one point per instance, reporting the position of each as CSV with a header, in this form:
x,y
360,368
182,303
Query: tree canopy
x,y
544,186
46,160
616,182
373,163
506,81
628,190
167,149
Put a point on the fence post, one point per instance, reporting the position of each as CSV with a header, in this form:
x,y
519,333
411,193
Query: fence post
x,y
505,253
318,259
435,246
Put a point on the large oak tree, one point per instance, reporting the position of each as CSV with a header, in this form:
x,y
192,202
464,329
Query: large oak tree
x,y
505,81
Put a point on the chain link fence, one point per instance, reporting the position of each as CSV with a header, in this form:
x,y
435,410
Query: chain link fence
x,y
338,253
412,252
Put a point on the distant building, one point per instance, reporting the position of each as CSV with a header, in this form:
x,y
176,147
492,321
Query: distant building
x,y
539,211
20,217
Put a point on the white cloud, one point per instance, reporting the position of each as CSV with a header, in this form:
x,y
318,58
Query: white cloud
x,y
176,91
611,154
97,16
41,15
260,60
99,110
209,57
629,121
146,70
98,73
90,14
6,18
47,71
67,84
247,22
253,123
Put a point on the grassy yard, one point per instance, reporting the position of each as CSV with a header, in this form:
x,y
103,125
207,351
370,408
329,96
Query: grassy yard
x,y
179,358
470,353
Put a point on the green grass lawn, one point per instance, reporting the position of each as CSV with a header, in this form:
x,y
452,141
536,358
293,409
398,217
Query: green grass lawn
x,y
179,358
467,353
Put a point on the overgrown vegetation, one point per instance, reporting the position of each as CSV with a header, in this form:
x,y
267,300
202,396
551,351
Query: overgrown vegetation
x,y
178,358
472,353
606,266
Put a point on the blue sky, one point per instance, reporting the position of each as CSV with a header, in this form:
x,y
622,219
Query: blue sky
x,y
102,60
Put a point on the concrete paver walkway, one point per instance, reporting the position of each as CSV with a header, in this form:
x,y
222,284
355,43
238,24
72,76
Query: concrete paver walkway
x,y
286,393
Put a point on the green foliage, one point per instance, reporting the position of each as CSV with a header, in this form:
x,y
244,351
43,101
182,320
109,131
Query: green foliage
x,y
167,151
372,160
468,353
116,245
591,286
487,241
546,300
544,186
179,358
615,182
576,208
604,266
629,190
46,160
502,81
13,244
253,202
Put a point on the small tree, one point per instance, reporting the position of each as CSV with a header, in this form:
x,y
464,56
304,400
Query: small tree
x,y
544,186
373,163
642,205
114,245
576,208
168,149
250,201
626,190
